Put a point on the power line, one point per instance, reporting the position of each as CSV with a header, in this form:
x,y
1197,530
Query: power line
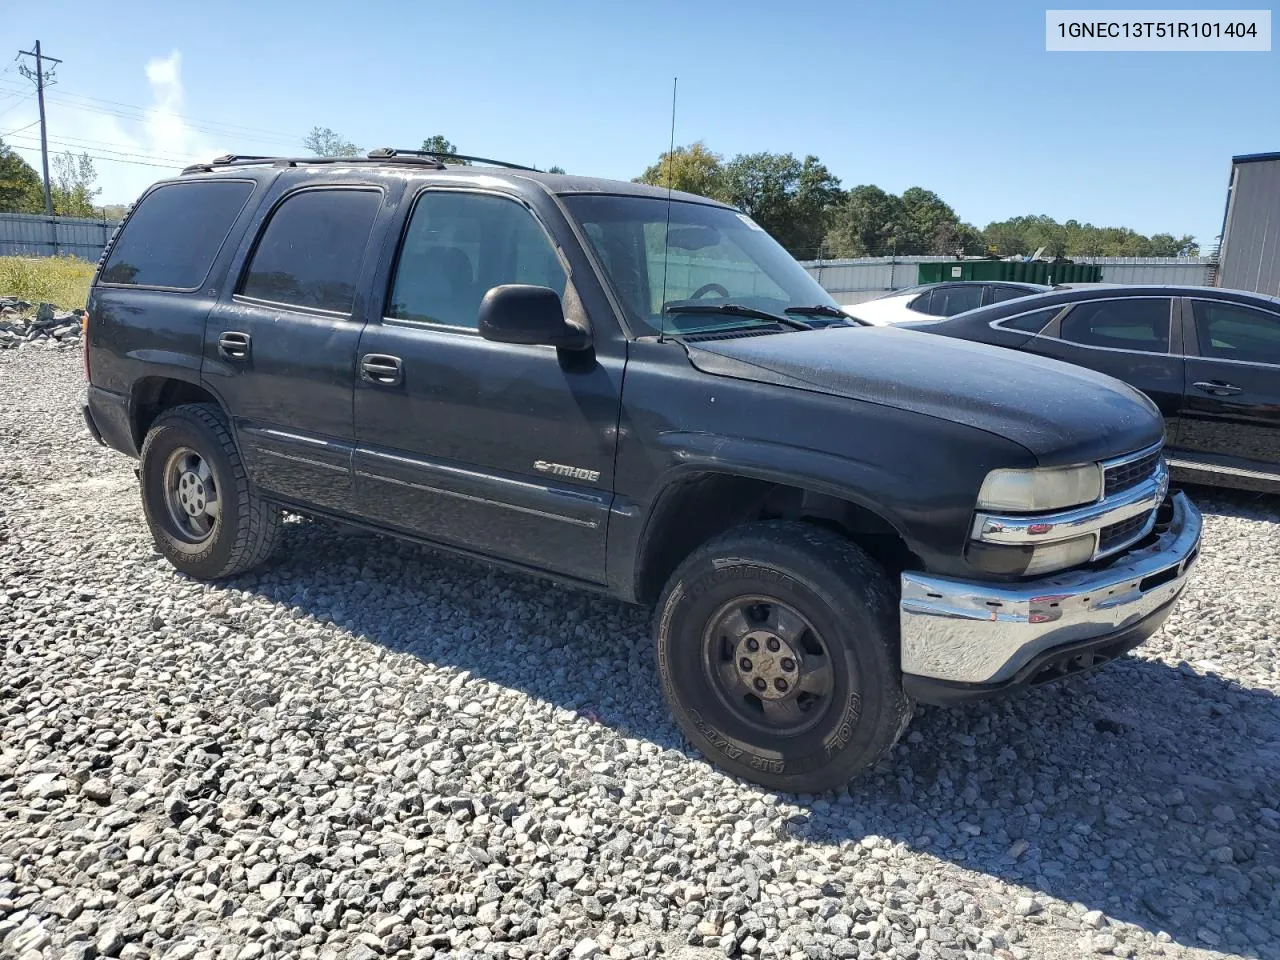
x,y
20,129
14,106
161,160
136,163
124,149
130,111
143,117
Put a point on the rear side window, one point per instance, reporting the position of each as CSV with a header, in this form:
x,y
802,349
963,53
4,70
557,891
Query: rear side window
x,y
1000,294
948,301
1231,331
310,251
174,234
1032,322
921,303
1129,324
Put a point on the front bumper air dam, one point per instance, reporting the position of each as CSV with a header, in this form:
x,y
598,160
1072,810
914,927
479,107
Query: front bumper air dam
x,y
963,640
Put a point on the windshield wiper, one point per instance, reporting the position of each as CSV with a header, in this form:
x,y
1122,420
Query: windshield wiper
x,y
823,310
818,310
739,310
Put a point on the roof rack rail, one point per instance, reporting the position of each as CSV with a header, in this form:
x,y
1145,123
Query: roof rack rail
x,y
237,160
392,153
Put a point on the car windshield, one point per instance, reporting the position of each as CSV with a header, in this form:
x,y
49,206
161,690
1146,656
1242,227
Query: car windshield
x,y
715,256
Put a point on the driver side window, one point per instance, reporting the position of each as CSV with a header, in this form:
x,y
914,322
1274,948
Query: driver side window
x,y
457,247
718,271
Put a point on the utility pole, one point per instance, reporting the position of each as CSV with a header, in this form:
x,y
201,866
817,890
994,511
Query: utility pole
x,y
40,78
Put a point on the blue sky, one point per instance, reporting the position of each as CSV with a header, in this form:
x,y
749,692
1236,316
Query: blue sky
x,y
955,97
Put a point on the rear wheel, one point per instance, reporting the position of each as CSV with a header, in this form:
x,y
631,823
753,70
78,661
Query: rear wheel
x,y
777,652
205,518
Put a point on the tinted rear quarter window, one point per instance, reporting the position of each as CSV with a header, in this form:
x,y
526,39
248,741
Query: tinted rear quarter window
x,y
1231,331
921,303
999,294
1032,322
1128,324
173,236
310,252
948,301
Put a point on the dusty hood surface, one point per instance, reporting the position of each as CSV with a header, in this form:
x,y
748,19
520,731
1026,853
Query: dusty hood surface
x,y
1061,413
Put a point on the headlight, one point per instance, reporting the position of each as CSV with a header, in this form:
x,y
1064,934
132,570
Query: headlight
x,y
1039,488
1029,561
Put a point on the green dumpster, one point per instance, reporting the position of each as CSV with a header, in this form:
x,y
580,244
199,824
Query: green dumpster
x,y
1033,271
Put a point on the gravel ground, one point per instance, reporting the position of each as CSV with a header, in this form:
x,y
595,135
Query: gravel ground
x,y
369,750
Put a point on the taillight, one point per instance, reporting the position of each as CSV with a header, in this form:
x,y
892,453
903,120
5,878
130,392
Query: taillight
x,y
84,342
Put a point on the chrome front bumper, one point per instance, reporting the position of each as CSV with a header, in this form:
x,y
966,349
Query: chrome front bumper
x,y
964,632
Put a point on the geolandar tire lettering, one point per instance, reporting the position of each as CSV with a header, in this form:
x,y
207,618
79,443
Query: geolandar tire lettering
x,y
777,653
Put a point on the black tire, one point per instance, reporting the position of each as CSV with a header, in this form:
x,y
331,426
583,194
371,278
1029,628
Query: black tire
x,y
850,616
246,529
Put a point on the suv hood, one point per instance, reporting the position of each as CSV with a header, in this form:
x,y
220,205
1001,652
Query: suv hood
x,y
1061,413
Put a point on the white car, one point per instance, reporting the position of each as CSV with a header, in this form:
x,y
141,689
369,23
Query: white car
x,y
939,300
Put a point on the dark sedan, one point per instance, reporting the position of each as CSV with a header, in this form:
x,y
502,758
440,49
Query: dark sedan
x,y
1209,358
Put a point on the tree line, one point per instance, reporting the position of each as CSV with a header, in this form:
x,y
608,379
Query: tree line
x,y
807,209
323,142
72,187
800,202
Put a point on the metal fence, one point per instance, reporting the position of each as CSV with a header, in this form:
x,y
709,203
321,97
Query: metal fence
x,y
31,235
853,281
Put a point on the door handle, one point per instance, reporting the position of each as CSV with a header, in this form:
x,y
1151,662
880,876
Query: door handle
x,y
234,345
1219,388
382,369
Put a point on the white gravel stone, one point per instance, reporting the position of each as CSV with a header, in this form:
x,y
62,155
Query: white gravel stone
x,y
368,750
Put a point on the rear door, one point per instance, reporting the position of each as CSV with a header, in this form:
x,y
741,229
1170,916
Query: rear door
x,y
1134,339
280,344
1231,414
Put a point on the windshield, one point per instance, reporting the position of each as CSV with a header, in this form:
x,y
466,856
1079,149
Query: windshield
x,y
717,256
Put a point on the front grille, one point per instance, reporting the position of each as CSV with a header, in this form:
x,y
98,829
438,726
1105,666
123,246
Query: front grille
x,y
1119,534
1126,476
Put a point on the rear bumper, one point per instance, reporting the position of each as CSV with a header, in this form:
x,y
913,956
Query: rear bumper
x,y
106,414
964,640
93,427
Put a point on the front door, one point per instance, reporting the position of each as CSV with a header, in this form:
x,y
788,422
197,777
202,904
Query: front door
x,y
1231,414
280,347
504,450
1130,338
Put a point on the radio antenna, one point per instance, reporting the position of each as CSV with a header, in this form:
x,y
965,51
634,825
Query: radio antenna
x,y
666,234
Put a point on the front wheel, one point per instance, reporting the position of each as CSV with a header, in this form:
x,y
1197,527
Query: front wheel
x,y
777,653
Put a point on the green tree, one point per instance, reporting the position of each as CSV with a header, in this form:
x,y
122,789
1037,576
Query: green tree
x,y
555,169
323,142
72,185
437,143
1024,235
791,199
20,188
927,223
693,169
761,186
818,195
869,223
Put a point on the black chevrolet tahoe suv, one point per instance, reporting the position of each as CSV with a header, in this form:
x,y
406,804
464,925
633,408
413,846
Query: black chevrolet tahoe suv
x,y
641,394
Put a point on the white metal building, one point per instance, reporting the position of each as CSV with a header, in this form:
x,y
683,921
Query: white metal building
x,y
1250,256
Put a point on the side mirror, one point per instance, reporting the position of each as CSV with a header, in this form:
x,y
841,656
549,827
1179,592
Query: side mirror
x,y
520,313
